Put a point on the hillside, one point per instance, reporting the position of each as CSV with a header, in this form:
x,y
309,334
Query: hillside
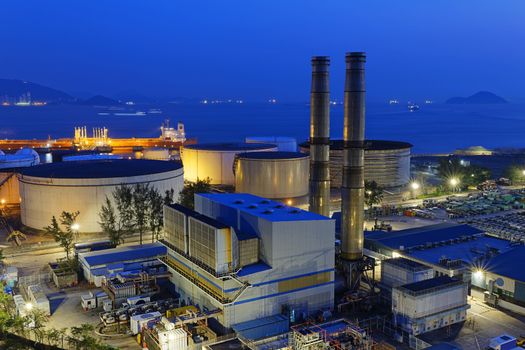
x,y
12,90
100,100
479,98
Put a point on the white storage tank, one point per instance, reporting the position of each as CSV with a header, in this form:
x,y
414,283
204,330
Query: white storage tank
x,y
274,175
215,160
386,162
24,157
284,144
49,189
156,153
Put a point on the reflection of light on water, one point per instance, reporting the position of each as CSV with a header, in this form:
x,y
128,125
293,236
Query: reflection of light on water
x,y
48,158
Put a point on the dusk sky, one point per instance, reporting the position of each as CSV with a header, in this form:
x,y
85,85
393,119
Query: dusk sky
x,y
255,49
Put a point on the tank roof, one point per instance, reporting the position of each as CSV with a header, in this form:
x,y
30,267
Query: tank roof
x,y
272,155
231,146
106,168
370,145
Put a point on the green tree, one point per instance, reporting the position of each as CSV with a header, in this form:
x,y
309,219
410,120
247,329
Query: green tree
x,y
39,319
187,195
155,213
123,198
109,223
65,238
82,338
140,208
373,193
168,196
475,175
454,173
515,173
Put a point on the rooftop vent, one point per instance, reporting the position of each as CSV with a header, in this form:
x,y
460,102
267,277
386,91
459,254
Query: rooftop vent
x,y
252,206
279,206
268,211
295,211
265,201
238,201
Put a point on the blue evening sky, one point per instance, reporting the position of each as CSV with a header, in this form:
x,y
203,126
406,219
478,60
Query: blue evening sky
x,y
255,49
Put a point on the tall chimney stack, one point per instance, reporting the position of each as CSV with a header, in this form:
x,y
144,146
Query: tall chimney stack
x,y
320,136
353,189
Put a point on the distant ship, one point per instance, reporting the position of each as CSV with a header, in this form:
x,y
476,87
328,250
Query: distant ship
x,y
393,102
154,111
413,107
429,102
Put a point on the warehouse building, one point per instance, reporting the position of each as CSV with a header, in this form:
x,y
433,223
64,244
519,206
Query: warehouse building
x,y
386,162
275,175
48,189
215,160
488,263
97,265
503,277
250,257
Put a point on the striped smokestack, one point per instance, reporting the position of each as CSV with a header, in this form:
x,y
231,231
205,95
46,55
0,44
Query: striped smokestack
x,y
353,188
320,136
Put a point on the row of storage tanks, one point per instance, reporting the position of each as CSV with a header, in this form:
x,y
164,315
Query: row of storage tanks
x,y
272,167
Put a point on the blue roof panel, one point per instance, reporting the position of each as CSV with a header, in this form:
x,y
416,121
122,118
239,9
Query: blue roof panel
x,y
421,235
510,264
122,254
261,207
253,268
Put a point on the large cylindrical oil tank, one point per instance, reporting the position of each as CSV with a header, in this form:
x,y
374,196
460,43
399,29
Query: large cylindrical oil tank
x,y
215,160
49,189
386,162
284,144
276,175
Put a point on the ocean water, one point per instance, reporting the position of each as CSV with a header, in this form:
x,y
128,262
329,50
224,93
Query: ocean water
x,y
435,128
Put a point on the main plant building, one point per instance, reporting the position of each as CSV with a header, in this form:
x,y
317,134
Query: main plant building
x,y
250,257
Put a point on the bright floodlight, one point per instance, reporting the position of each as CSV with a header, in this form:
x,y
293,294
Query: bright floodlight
x,y
523,172
454,182
478,274
2,201
75,227
414,185
289,202
29,306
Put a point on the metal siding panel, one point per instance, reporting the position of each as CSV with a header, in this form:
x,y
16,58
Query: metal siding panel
x,y
519,291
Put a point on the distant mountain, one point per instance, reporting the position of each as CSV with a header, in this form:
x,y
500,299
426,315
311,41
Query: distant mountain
x,y
100,100
12,90
479,98
133,96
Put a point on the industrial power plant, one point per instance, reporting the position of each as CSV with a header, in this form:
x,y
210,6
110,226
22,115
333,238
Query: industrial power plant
x,y
274,254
